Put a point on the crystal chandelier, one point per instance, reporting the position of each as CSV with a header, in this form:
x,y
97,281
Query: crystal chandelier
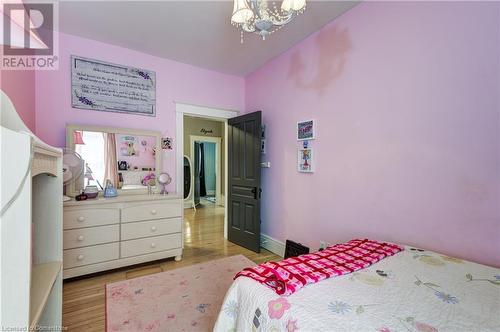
x,y
256,15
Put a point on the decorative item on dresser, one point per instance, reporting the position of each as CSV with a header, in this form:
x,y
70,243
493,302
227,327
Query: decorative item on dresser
x,y
108,233
164,180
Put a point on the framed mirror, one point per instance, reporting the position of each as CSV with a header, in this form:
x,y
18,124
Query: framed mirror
x,y
129,158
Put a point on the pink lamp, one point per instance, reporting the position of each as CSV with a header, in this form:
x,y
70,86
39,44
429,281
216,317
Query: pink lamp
x,y
77,138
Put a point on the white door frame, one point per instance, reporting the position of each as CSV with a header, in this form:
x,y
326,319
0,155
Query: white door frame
x,y
218,159
182,109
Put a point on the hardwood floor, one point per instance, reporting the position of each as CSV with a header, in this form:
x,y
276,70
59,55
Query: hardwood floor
x,y
83,298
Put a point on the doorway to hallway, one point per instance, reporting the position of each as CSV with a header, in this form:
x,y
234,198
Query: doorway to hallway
x,y
204,158
241,146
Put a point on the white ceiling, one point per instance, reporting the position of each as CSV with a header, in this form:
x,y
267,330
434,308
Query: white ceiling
x,y
193,32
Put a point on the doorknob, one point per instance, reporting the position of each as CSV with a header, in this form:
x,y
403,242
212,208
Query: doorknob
x,y
254,192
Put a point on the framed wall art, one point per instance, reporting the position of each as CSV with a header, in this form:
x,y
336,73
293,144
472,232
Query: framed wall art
x,y
103,86
166,143
128,146
305,161
306,130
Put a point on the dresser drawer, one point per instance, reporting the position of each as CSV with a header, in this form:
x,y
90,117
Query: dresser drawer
x,y
83,237
150,244
135,230
90,255
151,211
91,217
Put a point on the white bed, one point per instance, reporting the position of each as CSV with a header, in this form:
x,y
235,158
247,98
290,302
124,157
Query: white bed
x,y
414,290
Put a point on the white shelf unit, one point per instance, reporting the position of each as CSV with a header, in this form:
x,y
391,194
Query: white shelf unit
x,y
31,227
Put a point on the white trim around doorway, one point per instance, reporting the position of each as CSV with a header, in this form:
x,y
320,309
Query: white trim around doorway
x,y
182,109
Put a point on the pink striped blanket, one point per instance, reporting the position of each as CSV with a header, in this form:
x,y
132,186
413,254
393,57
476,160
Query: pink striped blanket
x,y
289,275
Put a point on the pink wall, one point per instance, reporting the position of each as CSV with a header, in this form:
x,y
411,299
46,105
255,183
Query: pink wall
x,y
19,85
406,100
145,157
174,82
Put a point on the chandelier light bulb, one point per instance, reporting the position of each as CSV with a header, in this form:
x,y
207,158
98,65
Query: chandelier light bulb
x,y
241,12
295,5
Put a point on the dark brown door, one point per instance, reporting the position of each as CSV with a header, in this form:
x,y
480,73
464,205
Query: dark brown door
x,y
244,180
197,161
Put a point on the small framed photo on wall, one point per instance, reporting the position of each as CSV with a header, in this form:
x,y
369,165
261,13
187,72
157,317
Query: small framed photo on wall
x,y
306,130
305,161
166,143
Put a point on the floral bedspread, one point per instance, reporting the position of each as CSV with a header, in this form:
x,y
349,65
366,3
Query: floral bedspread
x,y
414,290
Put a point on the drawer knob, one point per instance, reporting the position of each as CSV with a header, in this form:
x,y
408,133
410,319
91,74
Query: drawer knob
x,y
153,228
80,238
153,211
153,245
80,257
80,219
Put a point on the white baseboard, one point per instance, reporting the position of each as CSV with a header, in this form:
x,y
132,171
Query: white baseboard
x,y
273,245
221,200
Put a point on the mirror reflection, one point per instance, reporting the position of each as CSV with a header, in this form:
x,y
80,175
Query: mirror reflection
x,y
126,160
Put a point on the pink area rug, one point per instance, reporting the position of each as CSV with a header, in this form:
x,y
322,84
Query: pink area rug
x,y
184,299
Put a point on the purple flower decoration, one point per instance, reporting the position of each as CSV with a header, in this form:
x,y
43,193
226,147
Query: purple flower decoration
x,y
143,75
85,100
447,298
232,309
339,307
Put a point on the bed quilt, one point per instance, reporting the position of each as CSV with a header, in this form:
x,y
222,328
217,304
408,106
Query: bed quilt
x,y
414,290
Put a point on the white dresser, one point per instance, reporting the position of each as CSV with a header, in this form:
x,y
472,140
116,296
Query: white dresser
x,y
107,233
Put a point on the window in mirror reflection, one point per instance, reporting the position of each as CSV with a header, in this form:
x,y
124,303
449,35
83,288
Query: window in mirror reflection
x,y
91,148
128,161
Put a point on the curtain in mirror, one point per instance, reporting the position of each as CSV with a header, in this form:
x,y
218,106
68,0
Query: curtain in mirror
x,y
110,161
